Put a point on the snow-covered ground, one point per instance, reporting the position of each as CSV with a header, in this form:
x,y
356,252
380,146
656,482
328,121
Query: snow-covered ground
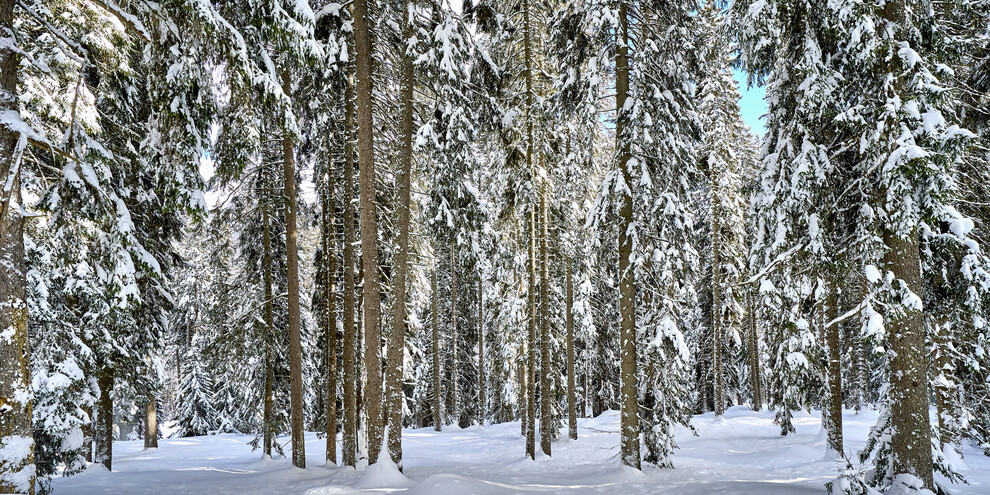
x,y
744,454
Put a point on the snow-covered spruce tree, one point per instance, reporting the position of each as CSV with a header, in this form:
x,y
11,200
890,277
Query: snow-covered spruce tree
x,y
453,215
656,136
968,29
910,149
196,414
793,197
724,132
577,92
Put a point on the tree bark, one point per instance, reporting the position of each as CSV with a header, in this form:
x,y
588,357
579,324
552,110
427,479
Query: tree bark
x,y
454,401
15,371
532,360
627,289
330,320
482,409
350,328
104,418
292,276
522,399
151,423
834,374
911,437
267,418
546,412
718,323
755,381
397,341
435,311
569,322
369,231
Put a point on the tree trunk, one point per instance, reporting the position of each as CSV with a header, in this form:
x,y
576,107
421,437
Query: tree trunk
x,y
627,289
15,371
718,372
533,344
718,315
397,341
350,441
369,231
481,352
268,419
569,322
834,374
522,399
151,423
104,418
755,382
532,360
292,276
454,401
547,432
330,320
911,437
437,412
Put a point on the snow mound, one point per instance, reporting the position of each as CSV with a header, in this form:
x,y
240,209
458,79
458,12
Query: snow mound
x,y
383,474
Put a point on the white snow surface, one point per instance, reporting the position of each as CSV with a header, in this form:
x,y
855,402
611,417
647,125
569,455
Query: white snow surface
x,y
743,454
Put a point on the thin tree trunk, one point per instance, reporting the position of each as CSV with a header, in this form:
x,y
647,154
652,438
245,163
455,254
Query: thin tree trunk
x,y
481,353
350,441
104,418
718,320
397,341
151,423
547,432
627,289
369,231
569,322
834,374
585,396
330,299
437,412
292,276
15,371
522,399
533,344
531,365
860,368
911,437
268,419
755,382
718,303
454,403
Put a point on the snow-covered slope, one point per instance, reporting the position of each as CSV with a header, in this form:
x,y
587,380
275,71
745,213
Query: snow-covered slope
x,y
744,454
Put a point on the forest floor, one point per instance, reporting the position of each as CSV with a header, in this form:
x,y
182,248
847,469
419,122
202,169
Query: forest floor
x,y
744,454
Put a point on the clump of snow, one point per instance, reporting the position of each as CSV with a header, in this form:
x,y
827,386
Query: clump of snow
x,y
383,474
872,274
907,484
